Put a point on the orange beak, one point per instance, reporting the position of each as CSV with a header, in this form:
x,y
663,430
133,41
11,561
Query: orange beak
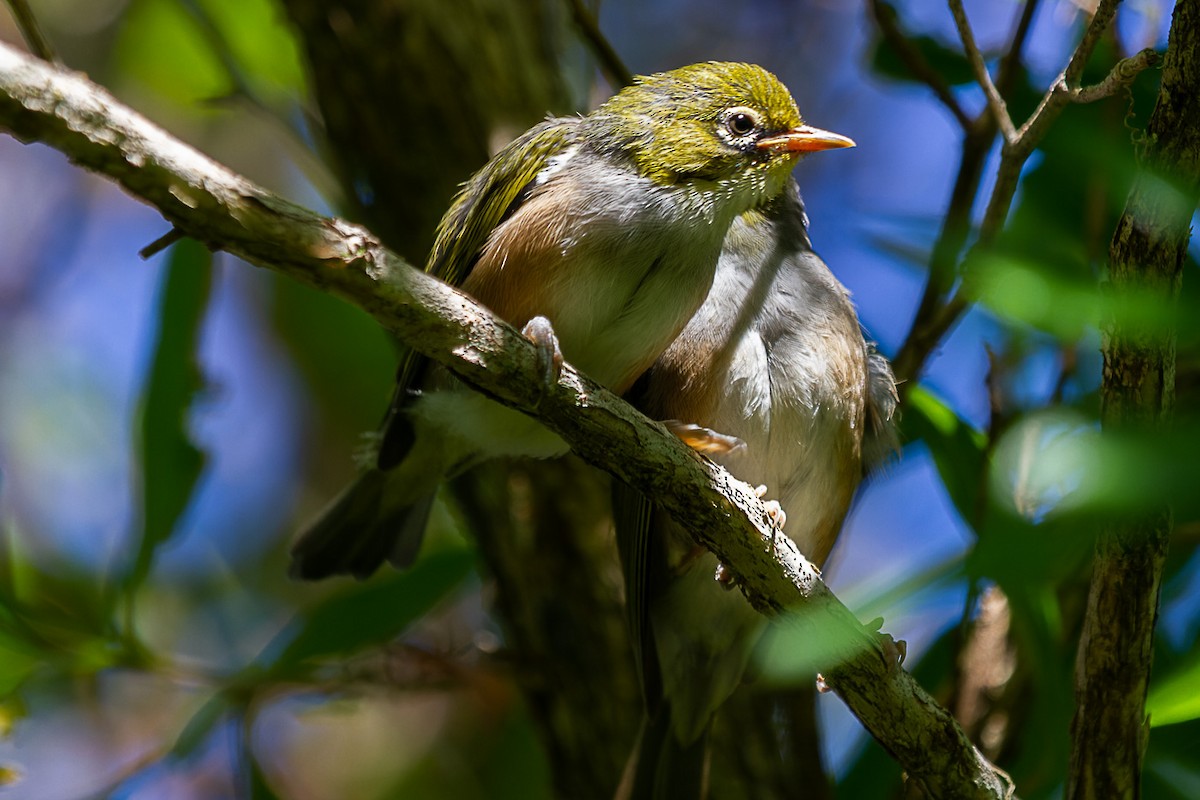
x,y
805,139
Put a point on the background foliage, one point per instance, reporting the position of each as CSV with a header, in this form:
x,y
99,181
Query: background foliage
x,y
165,427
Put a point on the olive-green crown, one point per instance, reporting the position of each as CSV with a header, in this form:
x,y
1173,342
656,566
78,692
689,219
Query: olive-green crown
x,y
668,125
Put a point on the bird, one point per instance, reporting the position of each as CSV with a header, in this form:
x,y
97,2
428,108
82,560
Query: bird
x,y
600,235
774,379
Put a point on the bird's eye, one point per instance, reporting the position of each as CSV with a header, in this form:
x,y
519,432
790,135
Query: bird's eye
x,y
741,121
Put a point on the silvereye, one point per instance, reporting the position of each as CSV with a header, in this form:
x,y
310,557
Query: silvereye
x,y
604,230
774,357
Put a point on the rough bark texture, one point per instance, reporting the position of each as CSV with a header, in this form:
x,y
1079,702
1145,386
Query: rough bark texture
x,y
1147,257
208,202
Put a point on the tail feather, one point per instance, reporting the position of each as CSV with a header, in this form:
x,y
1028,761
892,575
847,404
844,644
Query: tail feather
x,y
358,531
664,768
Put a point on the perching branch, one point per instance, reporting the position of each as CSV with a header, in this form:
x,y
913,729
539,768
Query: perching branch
x,y
208,202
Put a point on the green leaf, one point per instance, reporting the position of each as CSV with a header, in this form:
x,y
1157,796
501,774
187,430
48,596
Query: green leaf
x,y
162,47
18,660
370,613
260,789
945,61
171,464
1174,698
958,450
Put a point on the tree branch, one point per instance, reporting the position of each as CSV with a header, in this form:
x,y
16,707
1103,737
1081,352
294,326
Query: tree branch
x,y
1121,75
933,318
611,65
1146,260
918,65
982,76
937,319
224,210
31,31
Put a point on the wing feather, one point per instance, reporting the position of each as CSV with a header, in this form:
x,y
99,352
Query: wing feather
x,y
490,197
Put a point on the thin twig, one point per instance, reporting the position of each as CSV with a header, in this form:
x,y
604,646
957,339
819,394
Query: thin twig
x,y
1056,98
1121,75
1006,71
161,243
610,63
911,56
1016,152
39,45
1105,11
979,67
931,322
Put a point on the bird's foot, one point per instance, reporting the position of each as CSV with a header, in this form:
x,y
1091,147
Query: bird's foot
x,y
894,650
775,512
725,577
776,516
550,358
703,440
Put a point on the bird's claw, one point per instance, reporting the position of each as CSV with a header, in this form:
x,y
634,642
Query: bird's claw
x,y
725,577
550,358
704,440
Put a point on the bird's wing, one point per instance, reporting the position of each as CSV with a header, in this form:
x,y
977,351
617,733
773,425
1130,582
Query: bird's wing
x,y
485,202
881,438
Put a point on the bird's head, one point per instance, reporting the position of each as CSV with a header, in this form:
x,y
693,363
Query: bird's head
x,y
721,123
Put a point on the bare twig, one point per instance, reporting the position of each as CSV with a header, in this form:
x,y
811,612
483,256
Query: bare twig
x,y
982,76
935,318
921,69
161,243
208,202
1056,98
930,322
39,45
1006,72
1121,75
610,63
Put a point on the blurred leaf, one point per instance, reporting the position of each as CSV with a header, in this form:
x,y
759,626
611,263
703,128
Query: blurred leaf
x,y
260,789
958,449
345,356
948,62
162,47
10,775
1172,771
1019,554
371,613
1175,697
171,464
18,660
200,726
259,38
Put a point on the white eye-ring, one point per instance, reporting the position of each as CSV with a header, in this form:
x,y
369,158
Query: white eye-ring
x,y
740,121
